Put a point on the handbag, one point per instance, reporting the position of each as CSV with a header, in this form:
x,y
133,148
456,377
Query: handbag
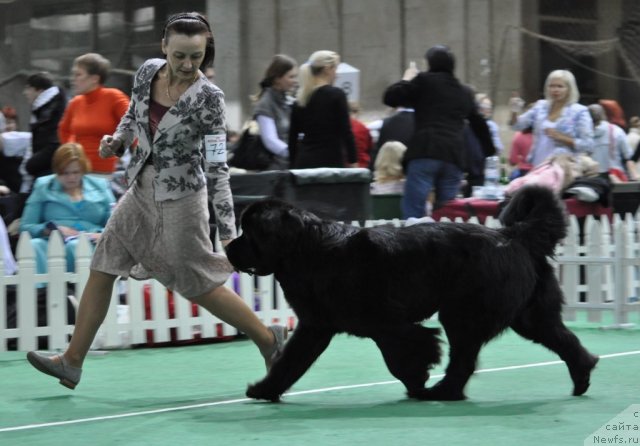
x,y
249,152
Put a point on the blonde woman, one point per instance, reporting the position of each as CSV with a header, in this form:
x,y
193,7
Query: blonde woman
x,y
559,123
320,132
388,177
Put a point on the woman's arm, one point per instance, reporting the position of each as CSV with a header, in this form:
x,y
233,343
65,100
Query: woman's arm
x,y
31,219
403,93
269,136
583,131
64,126
294,131
526,119
126,130
400,94
344,128
217,171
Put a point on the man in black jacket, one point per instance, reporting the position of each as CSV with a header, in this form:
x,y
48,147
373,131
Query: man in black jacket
x,y
435,156
397,127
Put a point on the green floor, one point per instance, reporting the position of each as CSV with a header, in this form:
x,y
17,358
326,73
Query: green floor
x,y
195,395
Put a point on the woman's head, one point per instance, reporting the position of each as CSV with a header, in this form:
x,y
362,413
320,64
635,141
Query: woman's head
x,y
320,69
88,72
561,86
11,118
70,160
388,164
188,32
440,59
281,74
36,84
634,122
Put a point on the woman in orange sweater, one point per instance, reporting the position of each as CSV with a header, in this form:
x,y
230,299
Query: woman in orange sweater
x,y
95,111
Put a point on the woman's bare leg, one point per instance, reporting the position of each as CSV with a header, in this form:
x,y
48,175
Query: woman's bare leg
x,y
228,306
93,308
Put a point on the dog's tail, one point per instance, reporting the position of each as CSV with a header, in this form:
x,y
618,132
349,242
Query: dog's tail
x,y
536,218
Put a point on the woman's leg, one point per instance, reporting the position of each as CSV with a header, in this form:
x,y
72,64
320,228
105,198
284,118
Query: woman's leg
x,y
420,179
448,183
70,254
93,308
229,307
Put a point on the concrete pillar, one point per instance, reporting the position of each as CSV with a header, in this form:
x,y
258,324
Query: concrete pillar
x,y
225,17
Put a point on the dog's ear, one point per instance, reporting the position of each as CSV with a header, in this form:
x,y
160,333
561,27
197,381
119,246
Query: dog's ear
x,y
293,218
301,218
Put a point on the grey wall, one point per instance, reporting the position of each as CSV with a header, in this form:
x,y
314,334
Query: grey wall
x,y
379,37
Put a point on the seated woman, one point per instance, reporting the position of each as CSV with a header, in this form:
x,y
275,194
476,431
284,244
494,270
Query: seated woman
x,y
69,201
388,177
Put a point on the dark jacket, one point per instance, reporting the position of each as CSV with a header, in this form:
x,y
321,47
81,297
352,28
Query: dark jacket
x,y
441,105
328,139
44,131
397,127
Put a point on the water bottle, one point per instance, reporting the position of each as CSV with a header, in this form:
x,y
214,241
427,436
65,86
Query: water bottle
x,y
491,177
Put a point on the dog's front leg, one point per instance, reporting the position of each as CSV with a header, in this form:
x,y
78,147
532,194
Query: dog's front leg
x,y
301,350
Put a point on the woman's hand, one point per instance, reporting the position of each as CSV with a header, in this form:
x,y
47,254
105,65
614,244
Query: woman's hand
x,y
558,136
109,146
516,106
66,231
410,73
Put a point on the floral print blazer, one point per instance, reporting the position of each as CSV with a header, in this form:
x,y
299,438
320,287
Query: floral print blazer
x,y
177,147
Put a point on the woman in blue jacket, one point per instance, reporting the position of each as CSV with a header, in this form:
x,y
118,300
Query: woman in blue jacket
x,y
68,201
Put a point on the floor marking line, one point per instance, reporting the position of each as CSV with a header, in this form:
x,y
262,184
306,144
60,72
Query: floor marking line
x,y
301,392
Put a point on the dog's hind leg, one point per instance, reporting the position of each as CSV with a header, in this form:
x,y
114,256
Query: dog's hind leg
x,y
463,353
409,351
541,322
301,350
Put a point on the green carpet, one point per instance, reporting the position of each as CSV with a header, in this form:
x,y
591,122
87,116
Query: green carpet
x,y
195,395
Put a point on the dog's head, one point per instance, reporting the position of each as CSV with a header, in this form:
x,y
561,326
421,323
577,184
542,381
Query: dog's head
x,y
270,231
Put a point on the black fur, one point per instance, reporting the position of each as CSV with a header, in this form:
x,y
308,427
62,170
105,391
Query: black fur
x,y
383,282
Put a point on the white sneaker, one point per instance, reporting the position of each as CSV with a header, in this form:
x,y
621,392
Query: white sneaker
x,y
583,193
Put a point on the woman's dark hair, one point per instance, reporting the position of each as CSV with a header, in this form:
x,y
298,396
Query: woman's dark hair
x,y
190,24
280,65
440,58
40,81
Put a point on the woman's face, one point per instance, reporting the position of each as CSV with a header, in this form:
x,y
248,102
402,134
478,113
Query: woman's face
x,y
83,82
288,81
30,93
71,176
558,90
184,54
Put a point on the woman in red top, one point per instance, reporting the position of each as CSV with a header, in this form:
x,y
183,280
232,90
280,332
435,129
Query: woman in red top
x,y
95,111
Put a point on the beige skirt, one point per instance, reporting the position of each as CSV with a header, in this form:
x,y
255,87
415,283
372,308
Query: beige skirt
x,y
165,240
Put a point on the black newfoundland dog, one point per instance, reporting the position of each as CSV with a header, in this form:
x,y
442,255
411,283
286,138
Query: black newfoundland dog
x,y
383,282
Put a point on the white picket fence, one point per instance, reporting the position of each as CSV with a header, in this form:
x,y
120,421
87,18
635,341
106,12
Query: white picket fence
x,y
599,276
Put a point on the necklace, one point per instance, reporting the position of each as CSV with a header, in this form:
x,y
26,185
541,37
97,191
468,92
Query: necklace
x,y
169,94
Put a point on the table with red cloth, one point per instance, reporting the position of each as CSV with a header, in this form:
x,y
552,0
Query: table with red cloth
x,y
477,207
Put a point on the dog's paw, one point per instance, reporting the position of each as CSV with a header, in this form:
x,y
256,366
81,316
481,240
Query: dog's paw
x,y
436,393
259,391
582,376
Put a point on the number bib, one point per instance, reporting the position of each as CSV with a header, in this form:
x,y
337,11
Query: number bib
x,y
216,148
